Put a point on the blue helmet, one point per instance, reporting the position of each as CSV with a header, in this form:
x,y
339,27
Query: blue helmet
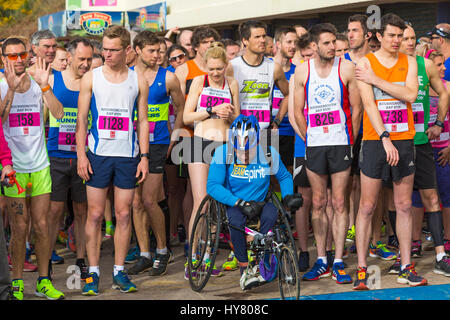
x,y
244,127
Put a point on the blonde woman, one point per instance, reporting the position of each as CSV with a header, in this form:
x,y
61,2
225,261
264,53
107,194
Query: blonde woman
x,y
211,106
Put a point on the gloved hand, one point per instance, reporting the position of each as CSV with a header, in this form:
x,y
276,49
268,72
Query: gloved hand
x,y
250,209
293,201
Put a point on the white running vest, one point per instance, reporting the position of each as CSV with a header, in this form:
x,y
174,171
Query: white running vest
x,y
327,122
112,107
24,129
255,88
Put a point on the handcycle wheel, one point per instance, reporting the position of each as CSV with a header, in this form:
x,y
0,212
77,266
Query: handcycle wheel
x,y
288,277
204,240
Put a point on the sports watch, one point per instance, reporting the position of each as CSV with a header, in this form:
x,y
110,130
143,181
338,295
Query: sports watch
x,y
439,124
385,134
147,155
209,110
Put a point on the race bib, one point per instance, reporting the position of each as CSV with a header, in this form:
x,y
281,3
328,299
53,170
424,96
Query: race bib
x,y
113,123
263,116
212,97
25,120
419,116
394,114
67,127
276,101
324,119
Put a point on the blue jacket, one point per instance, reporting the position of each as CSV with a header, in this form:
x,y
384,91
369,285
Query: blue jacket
x,y
230,182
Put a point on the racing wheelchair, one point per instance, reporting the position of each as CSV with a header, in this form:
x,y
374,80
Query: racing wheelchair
x,y
275,251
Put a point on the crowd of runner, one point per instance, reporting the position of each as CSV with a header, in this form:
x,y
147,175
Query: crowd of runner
x,y
115,138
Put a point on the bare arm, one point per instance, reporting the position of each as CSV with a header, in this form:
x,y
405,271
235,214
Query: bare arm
x,y
42,77
84,100
190,116
143,127
13,83
178,101
348,72
181,72
407,93
433,132
234,88
283,85
299,98
291,115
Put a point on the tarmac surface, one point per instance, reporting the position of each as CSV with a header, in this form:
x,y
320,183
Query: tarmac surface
x,y
173,286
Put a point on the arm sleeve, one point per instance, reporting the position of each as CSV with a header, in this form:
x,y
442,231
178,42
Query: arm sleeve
x,y
5,152
283,176
217,175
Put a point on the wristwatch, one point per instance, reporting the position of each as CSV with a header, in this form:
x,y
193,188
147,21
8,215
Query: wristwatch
x,y
439,124
147,155
385,134
209,110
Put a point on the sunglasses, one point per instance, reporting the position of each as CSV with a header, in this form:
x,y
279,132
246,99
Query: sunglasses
x,y
180,56
15,56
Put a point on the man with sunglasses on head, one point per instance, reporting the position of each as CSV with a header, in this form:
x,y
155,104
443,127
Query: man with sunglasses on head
x,y
440,41
22,111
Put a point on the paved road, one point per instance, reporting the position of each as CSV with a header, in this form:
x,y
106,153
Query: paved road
x,y
173,286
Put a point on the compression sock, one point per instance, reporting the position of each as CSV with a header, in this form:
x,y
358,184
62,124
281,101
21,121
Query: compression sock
x,y
436,227
392,220
164,205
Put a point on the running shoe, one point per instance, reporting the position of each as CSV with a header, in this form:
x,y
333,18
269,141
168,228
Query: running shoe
x,y
353,248
56,259
251,256
393,242
381,252
17,289
250,278
447,246
383,229
231,264
351,234
215,272
29,267
84,271
71,239
91,286
361,279
159,267
143,264
133,254
396,267
443,266
426,231
186,270
174,240
303,261
330,258
45,289
410,276
122,282
62,237
319,270
109,231
339,274
416,249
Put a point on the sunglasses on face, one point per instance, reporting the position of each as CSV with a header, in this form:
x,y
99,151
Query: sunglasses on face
x,y
15,56
180,56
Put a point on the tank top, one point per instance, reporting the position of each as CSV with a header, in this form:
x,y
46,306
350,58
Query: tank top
x,y
61,136
113,106
285,128
255,88
421,107
211,97
158,109
329,122
397,115
443,140
24,129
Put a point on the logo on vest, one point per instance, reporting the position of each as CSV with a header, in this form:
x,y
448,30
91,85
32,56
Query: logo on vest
x,y
324,94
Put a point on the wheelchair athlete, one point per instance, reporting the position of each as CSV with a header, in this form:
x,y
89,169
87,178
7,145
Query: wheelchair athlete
x,y
239,177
